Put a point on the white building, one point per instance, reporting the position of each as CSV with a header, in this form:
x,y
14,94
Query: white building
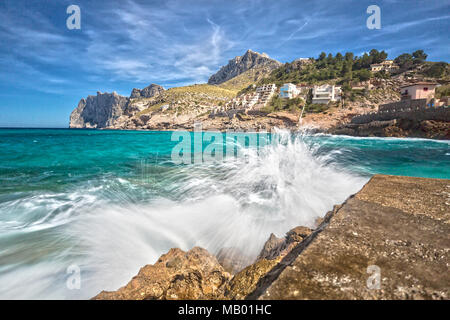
x,y
265,92
289,90
387,65
267,88
326,93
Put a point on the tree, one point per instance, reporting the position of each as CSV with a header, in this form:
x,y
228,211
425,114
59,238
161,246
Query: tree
x,y
404,60
365,61
437,70
330,58
322,56
363,74
419,56
377,56
382,75
338,57
382,56
349,56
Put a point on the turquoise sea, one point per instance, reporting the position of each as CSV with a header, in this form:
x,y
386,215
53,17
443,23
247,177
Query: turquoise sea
x,y
105,203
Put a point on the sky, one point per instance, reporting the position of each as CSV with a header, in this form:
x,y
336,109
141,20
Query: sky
x,y
45,68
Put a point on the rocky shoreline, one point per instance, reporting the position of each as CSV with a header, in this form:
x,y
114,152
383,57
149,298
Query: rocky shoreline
x,y
399,128
400,225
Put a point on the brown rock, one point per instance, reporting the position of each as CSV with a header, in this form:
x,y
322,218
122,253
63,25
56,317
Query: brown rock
x,y
271,248
247,280
276,247
399,224
298,234
232,259
195,274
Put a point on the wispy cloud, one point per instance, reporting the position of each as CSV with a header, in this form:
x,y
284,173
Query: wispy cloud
x,y
132,43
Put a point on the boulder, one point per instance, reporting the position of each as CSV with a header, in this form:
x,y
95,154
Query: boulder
x,y
148,92
195,274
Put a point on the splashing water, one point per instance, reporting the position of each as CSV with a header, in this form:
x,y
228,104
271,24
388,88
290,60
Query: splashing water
x,y
119,205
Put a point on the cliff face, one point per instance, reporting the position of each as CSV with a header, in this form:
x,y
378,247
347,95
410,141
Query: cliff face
x,y
98,111
106,109
241,64
148,92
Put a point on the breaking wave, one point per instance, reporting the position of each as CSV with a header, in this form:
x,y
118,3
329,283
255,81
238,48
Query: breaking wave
x,y
112,226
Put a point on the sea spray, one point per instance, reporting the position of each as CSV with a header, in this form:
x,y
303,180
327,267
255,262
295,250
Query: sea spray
x,y
234,203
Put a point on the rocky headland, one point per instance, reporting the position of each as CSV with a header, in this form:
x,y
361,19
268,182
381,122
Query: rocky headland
x,y
396,225
179,108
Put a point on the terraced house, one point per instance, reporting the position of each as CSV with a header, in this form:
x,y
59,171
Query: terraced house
x,y
289,90
326,93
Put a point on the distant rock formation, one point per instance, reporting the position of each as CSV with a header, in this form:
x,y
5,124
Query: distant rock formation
x,y
240,64
98,111
148,92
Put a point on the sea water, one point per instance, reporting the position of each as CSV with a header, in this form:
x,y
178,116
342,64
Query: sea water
x,y
110,202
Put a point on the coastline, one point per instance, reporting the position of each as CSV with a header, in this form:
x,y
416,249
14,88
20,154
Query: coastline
x,y
329,261
390,130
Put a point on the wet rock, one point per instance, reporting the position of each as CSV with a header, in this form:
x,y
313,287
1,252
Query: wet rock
x,y
232,259
246,280
398,224
195,274
276,247
271,247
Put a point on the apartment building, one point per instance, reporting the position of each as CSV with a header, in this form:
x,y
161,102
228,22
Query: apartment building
x,y
326,93
289,91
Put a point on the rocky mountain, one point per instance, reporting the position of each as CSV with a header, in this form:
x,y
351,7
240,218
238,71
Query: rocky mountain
x,y
98,111
148,92
240,64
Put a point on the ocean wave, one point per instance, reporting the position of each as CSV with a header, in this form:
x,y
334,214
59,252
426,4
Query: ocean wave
x,y
113,224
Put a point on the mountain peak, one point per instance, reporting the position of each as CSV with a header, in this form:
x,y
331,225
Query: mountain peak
x,y
240,64
148,92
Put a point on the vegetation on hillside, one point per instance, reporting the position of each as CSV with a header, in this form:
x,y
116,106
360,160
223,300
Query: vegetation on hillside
x,y
437,70
280,104
345,68
203,88
188,98
245,79
443,91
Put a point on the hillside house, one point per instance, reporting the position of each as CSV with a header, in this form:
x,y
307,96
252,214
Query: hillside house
x,y
326,93
418,90
387,65
289,91
247,101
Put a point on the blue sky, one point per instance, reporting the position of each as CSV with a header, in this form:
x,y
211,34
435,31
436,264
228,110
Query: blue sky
x,y
45,69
